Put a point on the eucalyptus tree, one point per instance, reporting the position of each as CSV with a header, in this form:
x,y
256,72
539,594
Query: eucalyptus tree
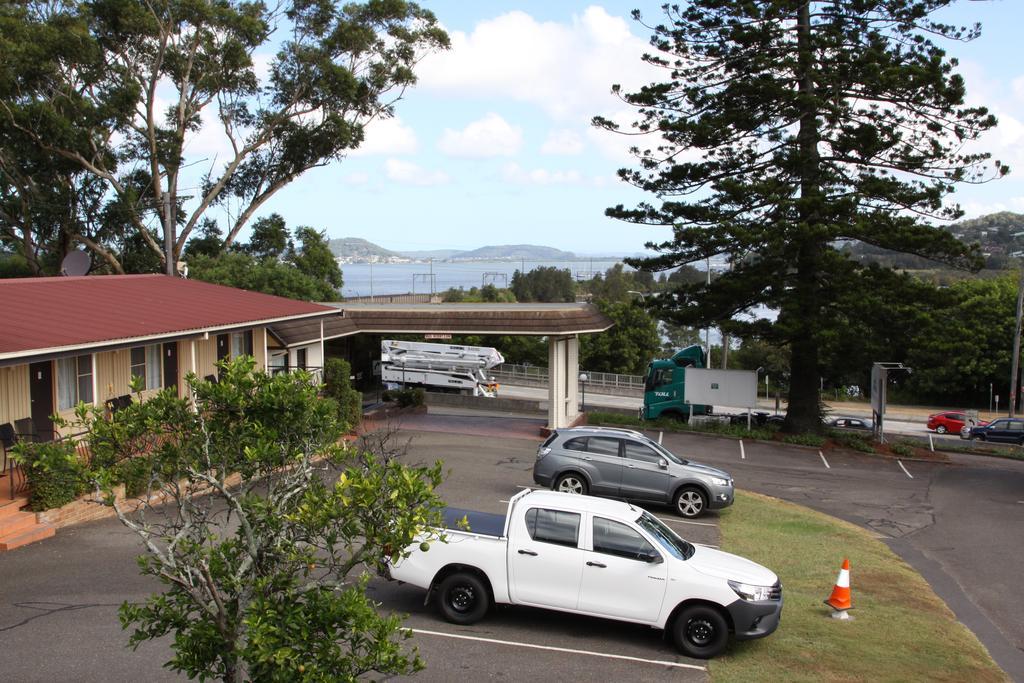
x,y
286,87
784,127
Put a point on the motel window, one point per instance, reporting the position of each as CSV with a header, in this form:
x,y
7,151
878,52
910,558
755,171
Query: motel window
x,y
74,381
146,364
241,344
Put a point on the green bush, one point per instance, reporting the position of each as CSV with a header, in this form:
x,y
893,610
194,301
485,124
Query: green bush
x,y
405,398
338,385
857,442
806,439
669,424
902,449
135,474
56,475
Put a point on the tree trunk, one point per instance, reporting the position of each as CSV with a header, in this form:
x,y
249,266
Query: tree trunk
x,y
804,411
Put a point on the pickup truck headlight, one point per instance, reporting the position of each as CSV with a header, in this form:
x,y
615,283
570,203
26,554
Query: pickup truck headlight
x,y
717,481
750,592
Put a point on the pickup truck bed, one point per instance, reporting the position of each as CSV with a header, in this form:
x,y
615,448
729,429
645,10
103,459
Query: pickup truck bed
x,y
481,523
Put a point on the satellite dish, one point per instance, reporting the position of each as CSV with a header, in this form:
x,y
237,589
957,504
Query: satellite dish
x,y
75,263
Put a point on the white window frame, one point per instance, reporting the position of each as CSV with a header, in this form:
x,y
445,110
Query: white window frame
x,y
152,371
79,375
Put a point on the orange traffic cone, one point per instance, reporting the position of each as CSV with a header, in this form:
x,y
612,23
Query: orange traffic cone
x,y
840,598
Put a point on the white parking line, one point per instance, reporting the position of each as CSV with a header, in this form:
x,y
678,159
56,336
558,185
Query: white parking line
x,y
827,466
684,521
743,453
905,469
658,662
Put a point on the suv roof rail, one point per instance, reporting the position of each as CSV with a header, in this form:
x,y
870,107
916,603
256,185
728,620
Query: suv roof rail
x,y
621,430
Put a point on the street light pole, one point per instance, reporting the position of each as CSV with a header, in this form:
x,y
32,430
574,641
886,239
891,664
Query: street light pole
x,y
1015,364
583,383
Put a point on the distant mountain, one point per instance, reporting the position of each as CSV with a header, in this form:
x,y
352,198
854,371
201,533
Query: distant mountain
x,y
1000,236
516,251
356,250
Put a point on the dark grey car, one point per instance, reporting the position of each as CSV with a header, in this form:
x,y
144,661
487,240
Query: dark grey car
x,y
622,463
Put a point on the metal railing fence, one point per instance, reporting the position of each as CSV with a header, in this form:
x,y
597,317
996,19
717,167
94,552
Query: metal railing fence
x,y
510,373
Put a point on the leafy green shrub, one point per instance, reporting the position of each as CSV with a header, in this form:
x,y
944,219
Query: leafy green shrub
x,y
666,423
405,398
55,473
338,385
902,449
806,439
135,474
857,442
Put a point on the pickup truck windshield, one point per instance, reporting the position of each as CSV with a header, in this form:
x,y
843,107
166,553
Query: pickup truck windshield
x,y
665,537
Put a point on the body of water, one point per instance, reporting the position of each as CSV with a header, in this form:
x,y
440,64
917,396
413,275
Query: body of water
x,y
375,279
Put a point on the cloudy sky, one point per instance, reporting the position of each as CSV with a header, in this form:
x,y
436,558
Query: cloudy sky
x,y
494,145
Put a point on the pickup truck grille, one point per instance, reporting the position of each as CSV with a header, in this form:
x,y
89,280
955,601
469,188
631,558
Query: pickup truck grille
x,y
776,593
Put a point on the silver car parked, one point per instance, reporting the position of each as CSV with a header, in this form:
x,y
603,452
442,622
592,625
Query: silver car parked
x,y
622,463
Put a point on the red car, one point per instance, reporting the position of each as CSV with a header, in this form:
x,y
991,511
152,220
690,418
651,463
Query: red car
x,y
949,421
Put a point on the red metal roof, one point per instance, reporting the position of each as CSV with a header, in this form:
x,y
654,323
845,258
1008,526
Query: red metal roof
x,y
52,313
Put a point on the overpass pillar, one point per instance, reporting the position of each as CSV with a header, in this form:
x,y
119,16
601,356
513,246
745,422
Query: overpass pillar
x,y
563,371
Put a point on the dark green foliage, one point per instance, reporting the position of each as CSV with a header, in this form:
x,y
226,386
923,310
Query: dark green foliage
x,y
902,449
269,238
270,276
805,439
852,440
275,591
83,107
814,122
405,398
55,472
338,385
545,284
627,347
313,258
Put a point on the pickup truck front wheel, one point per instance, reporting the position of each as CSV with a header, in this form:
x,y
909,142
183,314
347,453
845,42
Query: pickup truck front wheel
x,y
463,598
700,631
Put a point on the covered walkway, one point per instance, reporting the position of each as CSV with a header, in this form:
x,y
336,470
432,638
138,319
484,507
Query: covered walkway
x,y
560,323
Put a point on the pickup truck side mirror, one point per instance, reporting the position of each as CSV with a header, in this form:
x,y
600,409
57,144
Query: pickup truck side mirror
x,y
651,558
663,464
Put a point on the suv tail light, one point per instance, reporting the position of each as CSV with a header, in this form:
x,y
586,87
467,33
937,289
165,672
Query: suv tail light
x,y
542,451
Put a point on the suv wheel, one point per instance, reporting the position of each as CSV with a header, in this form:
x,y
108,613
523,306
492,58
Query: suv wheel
x,y
691,502
571,483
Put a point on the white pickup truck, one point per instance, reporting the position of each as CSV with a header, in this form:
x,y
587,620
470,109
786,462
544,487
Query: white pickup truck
x,y
597,557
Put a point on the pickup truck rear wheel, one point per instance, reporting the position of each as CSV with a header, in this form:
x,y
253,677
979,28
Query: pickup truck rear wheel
x,y
691,501
700,631
571,483
463,598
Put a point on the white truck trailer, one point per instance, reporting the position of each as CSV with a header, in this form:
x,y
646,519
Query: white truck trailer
x,y
448,366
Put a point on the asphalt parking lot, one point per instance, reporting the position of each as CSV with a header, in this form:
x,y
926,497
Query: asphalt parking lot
x,y
958,524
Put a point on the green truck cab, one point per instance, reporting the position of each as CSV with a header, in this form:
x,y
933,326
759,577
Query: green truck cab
x,y
665,385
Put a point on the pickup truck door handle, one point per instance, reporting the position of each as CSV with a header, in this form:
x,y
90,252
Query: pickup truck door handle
x,y
527,552
596,564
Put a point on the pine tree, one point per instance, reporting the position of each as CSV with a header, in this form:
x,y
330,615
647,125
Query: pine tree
x,y
785,128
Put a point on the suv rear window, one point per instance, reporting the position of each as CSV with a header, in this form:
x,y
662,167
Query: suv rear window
x,y
547,441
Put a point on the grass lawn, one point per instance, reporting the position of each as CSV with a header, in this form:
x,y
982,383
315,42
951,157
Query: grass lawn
x,y
901,630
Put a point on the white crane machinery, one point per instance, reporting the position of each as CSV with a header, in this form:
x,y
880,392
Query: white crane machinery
x,y
450,366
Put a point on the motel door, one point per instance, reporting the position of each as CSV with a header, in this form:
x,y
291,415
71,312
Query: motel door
x,y
41,396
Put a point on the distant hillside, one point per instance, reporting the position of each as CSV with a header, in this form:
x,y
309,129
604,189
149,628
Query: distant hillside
x,y
517,251
356,249
1000,235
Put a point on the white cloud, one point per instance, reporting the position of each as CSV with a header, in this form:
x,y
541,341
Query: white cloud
x,y
540,176
387,137
491,136
411,174
567,69
562,142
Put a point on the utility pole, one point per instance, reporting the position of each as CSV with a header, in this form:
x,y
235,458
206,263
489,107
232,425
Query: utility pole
x,y
1015,364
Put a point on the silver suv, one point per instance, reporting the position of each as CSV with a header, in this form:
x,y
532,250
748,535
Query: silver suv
x,y
622,463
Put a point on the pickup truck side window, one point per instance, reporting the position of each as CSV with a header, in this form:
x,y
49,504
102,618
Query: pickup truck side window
x,y
553,526
615,538
603,445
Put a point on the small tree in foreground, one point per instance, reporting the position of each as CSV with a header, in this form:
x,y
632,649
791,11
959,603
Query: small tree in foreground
x,y
264,579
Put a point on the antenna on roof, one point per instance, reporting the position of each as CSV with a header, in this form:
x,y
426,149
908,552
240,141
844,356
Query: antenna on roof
x,y
76,263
